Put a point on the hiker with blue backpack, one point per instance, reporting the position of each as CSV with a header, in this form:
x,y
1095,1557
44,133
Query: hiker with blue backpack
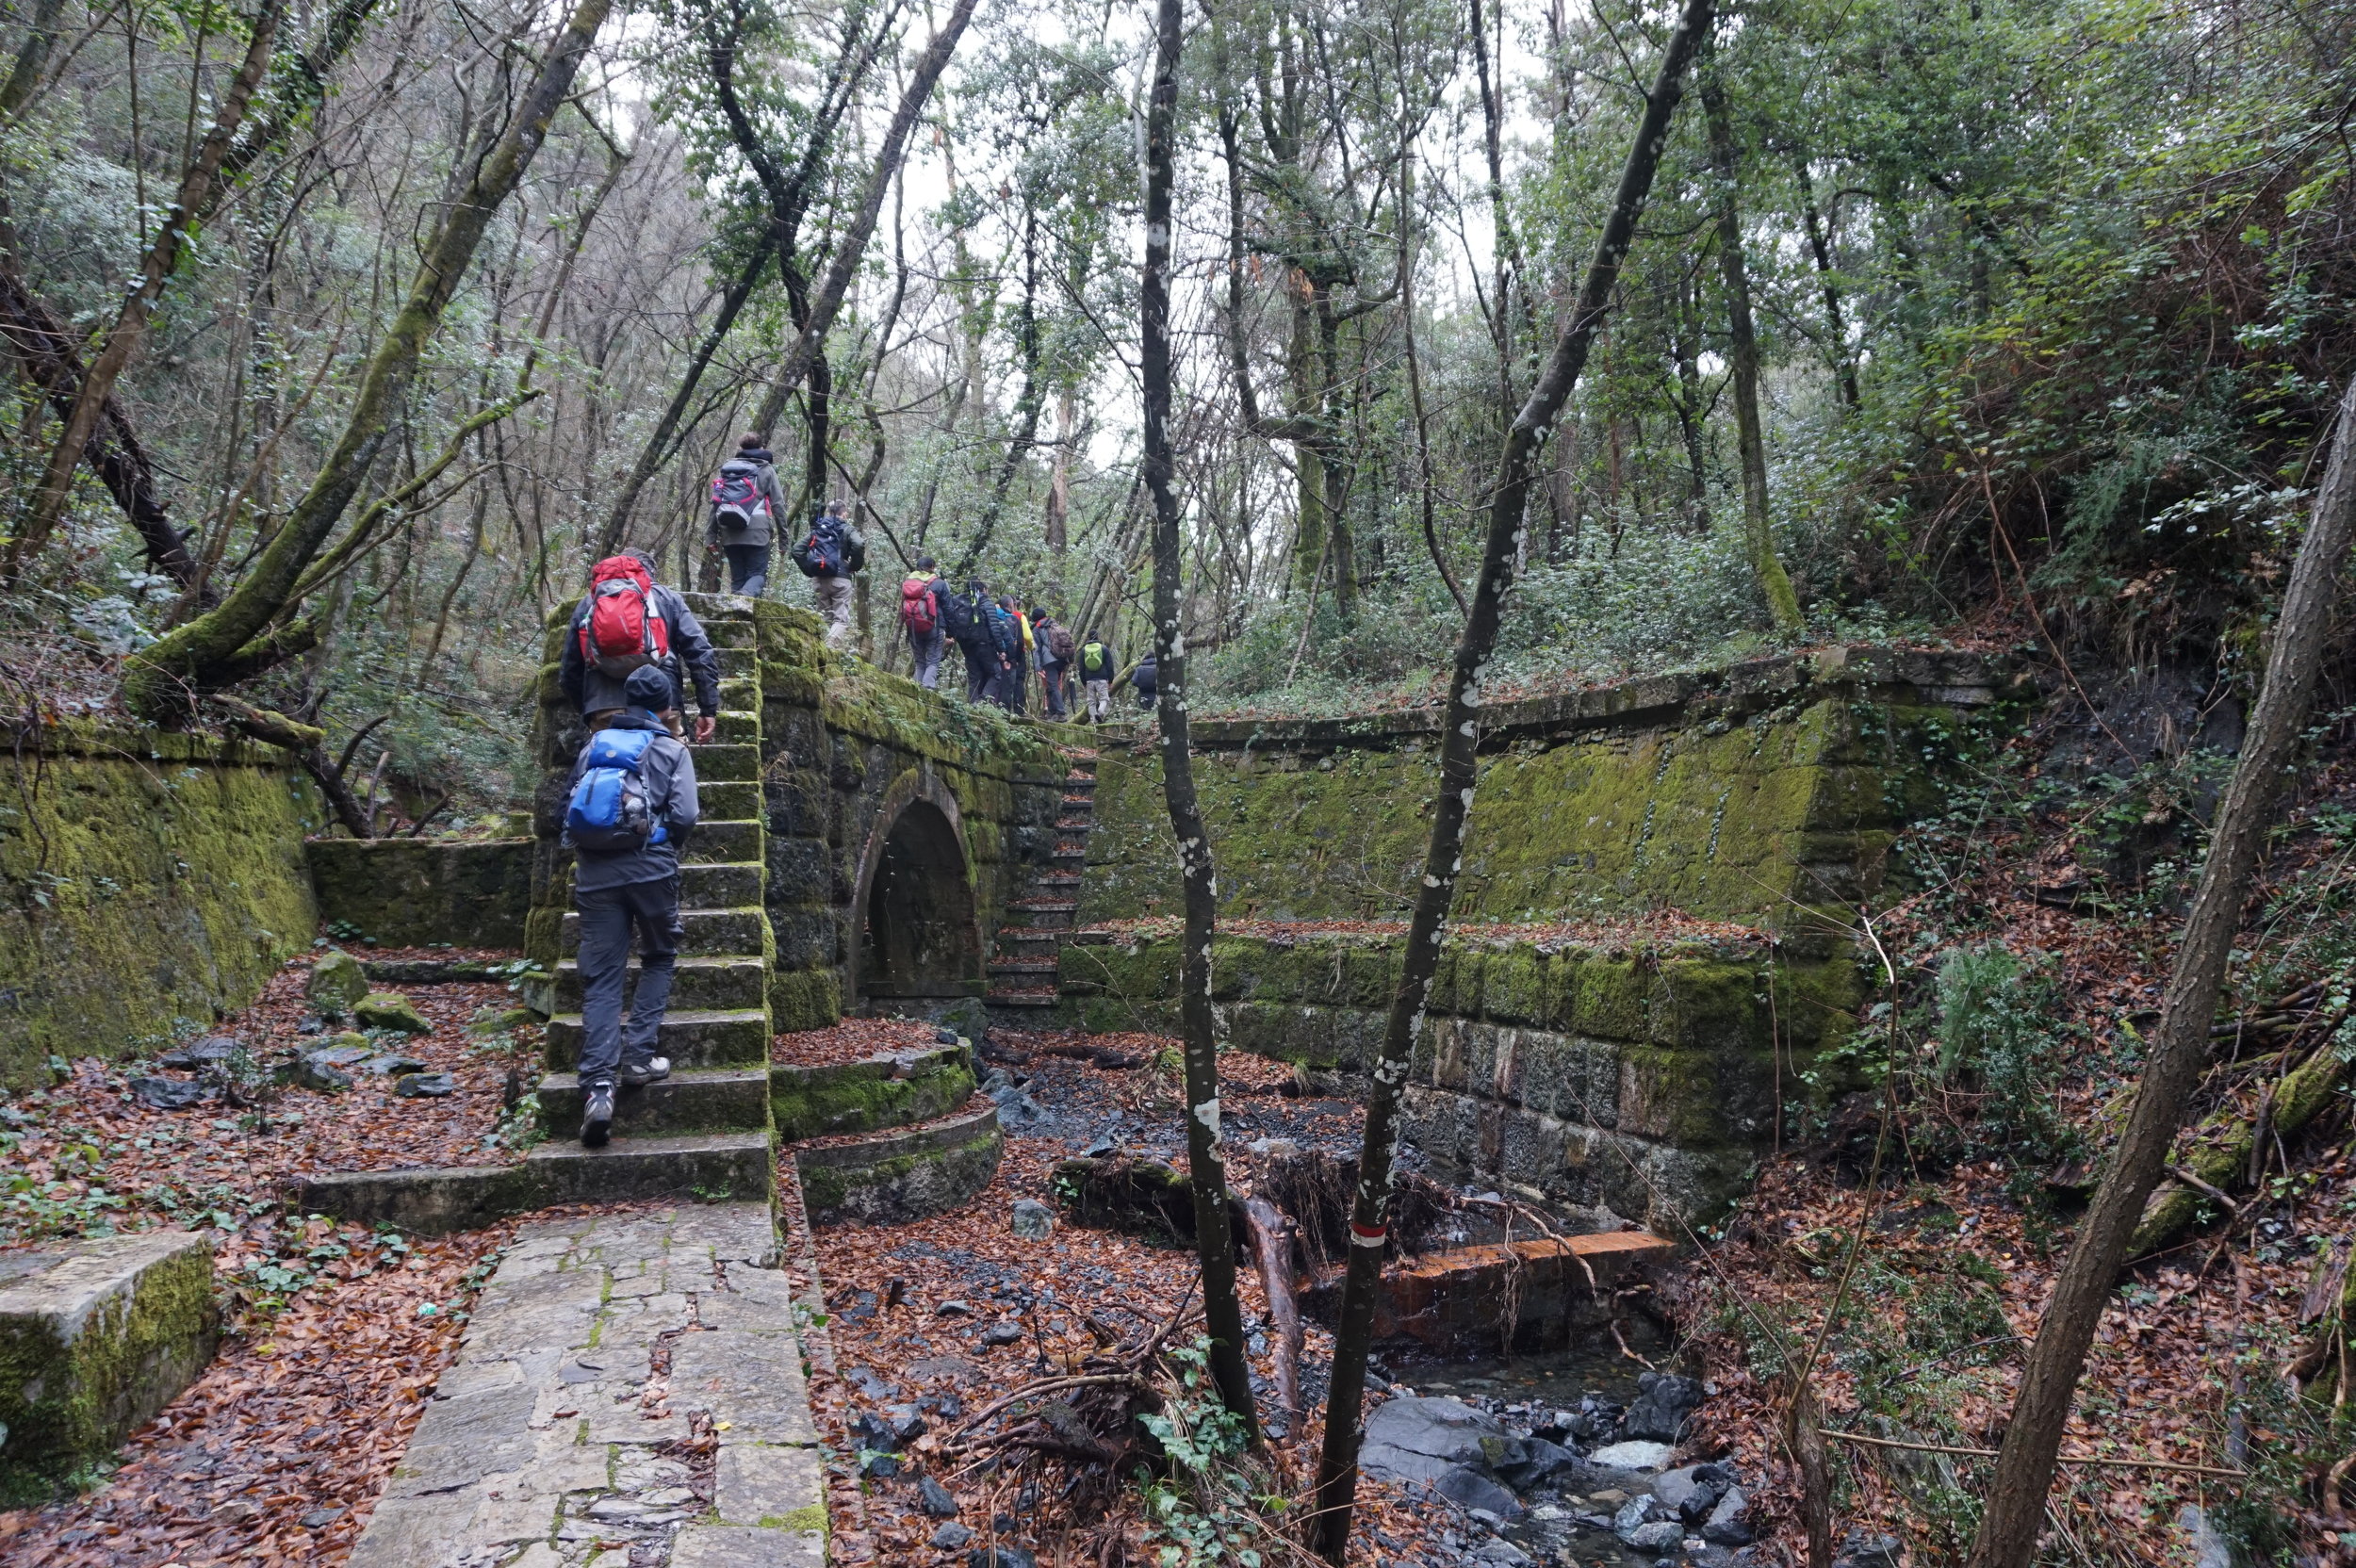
x,y
830,555
1011,637
747,498
630,809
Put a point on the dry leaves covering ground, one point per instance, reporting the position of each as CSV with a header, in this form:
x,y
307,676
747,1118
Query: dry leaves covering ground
x,y
275,1454
892,1341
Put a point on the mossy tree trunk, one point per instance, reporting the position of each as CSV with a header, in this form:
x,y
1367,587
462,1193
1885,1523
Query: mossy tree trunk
x,y
1370,1207
155,268
1214,1230
2024,1466
1775,584
202,654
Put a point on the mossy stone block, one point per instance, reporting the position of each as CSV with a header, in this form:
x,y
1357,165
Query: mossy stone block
x,y
338,982
1702,1005
390,1010
805,999
95,1338
1609,999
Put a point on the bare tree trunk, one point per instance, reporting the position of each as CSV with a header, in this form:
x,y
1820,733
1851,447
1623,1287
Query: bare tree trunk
x,y
1027,405
1215,1237
155,268
2024,1465
1370,1208
658,447
32,57
197,655
1273,1245
862,225
1775,584
1844,368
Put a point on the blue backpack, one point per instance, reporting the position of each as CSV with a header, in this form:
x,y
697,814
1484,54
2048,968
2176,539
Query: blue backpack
x,y
609,812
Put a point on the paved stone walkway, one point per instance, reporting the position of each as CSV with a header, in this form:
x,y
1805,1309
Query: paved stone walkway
x,y
565,1435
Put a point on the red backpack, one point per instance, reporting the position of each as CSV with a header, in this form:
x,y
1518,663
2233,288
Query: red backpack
x,y
624,627
919,613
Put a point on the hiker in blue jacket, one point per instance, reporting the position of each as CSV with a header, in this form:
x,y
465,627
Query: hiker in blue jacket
x,y
631,807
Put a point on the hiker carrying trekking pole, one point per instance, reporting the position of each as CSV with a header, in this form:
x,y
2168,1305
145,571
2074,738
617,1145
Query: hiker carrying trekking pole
x,y
630,807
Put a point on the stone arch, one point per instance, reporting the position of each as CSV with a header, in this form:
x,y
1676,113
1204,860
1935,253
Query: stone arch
x,y
915,931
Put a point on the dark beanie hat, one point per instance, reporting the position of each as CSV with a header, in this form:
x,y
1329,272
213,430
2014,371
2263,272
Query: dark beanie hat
x,y
647,687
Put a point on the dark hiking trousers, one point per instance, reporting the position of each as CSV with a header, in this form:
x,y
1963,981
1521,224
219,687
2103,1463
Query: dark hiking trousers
x,y
981,668
608,916
749,568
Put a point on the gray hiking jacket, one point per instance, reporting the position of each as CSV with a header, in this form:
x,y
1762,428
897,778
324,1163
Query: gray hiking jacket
x,y
593,690
668,771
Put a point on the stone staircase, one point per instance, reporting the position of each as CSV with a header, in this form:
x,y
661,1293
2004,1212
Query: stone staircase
x,y
1031,937
716,1032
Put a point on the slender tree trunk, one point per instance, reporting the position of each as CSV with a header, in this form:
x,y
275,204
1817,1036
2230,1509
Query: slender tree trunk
x,y
1775,584
155,268
193,656
2024,1465
1215,1237
862,225
1060,486
32,57
1370,1208
1028,405
658,447
1844,369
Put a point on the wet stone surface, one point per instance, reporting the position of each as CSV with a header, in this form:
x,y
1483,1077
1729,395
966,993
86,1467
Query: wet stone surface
x,y
630,1395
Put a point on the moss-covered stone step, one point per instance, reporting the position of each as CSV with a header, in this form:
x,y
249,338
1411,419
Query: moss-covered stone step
x,y
720,885
1024,971
692,1039
733,800
1029,941
95,1338
705,932
690,1100
1043,914
729,843
722,761
892,1091
737,661
709,1166
725,982
737,728
898,1177
438,972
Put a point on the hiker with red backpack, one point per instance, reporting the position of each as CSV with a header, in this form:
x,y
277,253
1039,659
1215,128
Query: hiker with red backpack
x,y
629,807
921,617
747,498
830,555
628,622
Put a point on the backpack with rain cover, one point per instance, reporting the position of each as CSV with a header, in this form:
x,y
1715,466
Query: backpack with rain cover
x,y
609,812
737,501
624,628
958,613
1096,661
919,609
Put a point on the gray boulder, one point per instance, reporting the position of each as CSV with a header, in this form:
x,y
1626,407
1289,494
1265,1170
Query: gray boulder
x,y
1468,1488
166,1094
938,1501
951,1536
1691,1492
1664,1402
1032,1220
1504,1552
1729,1523
1867,1549
1420,1439
1661,1535
1635,1515
337,982
1539,1463
425,1085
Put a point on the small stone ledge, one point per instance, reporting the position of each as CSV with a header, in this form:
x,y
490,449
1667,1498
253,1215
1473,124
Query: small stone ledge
x,y
895,1178
462,1198
95,1338
890,1090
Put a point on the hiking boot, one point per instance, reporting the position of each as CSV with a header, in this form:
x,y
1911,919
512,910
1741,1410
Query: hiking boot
x,y
597,1116
656,1067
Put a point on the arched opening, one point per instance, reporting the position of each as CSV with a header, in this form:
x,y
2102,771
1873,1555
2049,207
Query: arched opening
x,y
917,933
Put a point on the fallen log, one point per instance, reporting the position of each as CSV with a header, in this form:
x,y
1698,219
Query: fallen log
x,y
2225,1148
1272,1244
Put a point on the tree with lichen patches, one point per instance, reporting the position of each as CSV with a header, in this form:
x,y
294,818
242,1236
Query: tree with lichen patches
x,y
1215,1237
1371,1206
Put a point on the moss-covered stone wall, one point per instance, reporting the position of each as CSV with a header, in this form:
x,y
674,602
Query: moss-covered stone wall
x,y
405,892
835,738
1748,792
1643,1077
145,877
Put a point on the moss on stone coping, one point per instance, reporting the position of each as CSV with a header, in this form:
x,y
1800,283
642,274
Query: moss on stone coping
x,y
66,1402
865,1096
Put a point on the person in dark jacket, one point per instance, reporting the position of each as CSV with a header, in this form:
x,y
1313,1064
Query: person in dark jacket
x,y
692,656
967,621
636,890
1098,665
1014,662
747,541
1056,650
1145,680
